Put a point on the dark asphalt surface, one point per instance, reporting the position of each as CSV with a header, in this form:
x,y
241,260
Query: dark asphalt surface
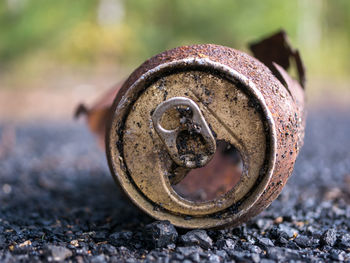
x,y
58,202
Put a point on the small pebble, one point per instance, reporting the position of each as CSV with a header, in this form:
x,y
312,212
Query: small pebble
x,y
59,253
197,237
329,237
120,238
74,243
344,242
225,243
25,244
303,241
186,251
278,220
337,255
98,259
160,234
265,242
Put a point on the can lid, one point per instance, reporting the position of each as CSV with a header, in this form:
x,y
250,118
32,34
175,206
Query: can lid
x,y
183,115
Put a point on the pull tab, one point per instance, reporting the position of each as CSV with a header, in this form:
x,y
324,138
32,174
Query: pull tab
x,y
191,144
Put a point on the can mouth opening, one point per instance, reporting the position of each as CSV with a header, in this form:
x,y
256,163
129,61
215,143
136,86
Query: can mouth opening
x,y
216,178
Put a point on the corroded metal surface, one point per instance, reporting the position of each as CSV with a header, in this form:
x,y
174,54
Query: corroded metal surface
x,y
100,113
277,49
147,159
254,112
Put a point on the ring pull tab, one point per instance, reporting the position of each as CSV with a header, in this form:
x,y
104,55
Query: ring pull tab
x,y
191,144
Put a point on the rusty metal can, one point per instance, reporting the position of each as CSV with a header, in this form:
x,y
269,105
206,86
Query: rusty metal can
x,y
206,136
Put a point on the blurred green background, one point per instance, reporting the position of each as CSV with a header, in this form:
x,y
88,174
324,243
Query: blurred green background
x,y
80,47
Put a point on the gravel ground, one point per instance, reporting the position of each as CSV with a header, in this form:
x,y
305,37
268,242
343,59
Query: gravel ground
x,y
58,202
